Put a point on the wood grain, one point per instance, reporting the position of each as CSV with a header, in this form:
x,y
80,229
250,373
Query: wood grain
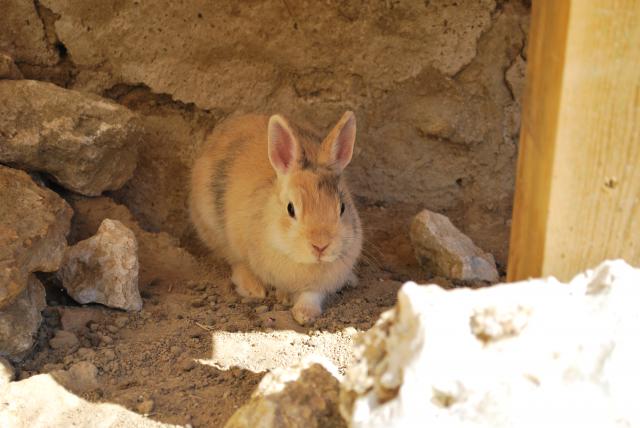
x,y
578,184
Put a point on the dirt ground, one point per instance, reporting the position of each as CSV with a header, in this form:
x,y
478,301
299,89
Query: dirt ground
x,y
197,350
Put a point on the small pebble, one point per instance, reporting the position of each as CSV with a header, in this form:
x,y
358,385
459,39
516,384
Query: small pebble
x,y
64,340
279,307
145,407
86,353
175,351
109,355
261,309
93,326
187,364
106,339
121,321
198,303
112,328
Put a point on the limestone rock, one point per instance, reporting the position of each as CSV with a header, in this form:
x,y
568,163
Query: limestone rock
x,y
79,378
104,268
533,353
6,372
41,401
20,320
444,250
8,69
86,143
298,397
34,223
159,254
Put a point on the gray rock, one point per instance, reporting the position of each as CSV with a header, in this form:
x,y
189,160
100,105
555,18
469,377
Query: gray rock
x,y
20,320
34,223
302,396
443,250
104,268
86,143
6,372
534,353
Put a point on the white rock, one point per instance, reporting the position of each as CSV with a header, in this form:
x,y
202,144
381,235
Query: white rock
x,y
529,354
104,268
40,401
444,250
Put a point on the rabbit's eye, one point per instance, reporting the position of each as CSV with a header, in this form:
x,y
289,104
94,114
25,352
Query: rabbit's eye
x,y
291,210
342,208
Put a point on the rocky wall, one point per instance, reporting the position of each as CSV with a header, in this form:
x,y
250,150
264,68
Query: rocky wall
x,y
435,86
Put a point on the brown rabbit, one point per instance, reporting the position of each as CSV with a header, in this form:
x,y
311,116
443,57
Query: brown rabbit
x,y
271,199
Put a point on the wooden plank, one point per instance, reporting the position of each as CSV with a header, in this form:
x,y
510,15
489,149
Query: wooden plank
x,y
577,196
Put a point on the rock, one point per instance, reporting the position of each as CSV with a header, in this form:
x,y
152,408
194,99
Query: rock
x,y
79,378
444,250
159,254
77,319
104,269
23,33
41,401
34,223
64,340
6,372
108,354
145,407
121,321
301,396
532,353
187,364
86,143
8,69
86,353
20,320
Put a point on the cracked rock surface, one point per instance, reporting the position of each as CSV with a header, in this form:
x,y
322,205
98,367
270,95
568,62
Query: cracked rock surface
x,y
34,223
86,143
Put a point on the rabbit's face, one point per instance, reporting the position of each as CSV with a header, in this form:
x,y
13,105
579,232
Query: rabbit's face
x,y
317,220
313,219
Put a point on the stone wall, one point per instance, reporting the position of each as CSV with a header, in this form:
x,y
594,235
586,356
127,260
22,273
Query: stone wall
x,y
435,86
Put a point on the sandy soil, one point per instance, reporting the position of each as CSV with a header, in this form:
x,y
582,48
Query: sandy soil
x,y
197,350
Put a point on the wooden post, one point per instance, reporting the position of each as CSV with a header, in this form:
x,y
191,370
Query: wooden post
x,y
577,199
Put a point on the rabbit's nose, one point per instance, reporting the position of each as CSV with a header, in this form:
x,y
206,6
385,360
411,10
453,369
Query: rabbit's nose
x,y
319,249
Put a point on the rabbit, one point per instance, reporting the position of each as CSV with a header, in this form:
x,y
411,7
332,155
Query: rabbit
x,y
271,199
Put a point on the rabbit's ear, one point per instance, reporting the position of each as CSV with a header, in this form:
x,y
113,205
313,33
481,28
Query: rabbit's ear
x,y
283,145
337,148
